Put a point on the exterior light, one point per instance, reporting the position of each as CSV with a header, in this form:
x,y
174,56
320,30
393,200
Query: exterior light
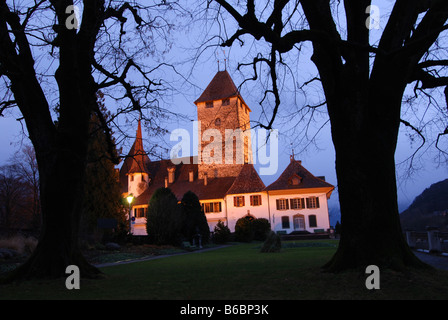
x,y
130,198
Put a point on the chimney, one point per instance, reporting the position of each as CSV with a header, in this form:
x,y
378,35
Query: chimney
x,y
166,182
191,176
171,174
205,179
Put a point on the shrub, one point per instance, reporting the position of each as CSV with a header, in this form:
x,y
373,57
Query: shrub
x,y
195,221
19,243
165,218
243,230
221,233
272,243
247,229
260,228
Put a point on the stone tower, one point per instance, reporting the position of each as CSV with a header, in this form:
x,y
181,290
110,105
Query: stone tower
x,y
224,129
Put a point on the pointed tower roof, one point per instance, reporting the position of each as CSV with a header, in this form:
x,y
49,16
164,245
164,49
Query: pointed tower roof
x,y
137,154
221,87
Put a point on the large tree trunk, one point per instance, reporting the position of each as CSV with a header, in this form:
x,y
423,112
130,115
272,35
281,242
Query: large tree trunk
x,y
371,231
364,131
61,173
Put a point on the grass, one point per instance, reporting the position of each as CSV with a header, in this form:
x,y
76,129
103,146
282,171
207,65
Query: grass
x,y
238,272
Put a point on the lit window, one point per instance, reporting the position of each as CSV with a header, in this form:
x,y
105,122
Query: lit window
x,y
140,212
238,201
255,200
211,207
282,204
312,202
297,203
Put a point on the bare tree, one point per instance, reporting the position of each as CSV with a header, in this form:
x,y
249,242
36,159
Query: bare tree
x,y
52,63
27,171
363,79
13,198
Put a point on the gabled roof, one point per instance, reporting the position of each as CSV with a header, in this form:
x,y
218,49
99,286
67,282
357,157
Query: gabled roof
x,y
247,181
221,87
216,188
308,180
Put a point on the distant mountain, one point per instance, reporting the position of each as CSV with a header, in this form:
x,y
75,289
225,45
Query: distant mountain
x,y
430,208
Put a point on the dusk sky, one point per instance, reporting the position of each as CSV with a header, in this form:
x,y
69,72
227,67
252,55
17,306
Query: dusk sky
x,y
318,158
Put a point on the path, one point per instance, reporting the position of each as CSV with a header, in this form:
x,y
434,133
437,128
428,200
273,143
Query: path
x,y
437,261
101,265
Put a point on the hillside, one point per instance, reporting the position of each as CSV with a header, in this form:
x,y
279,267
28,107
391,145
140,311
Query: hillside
x,y
428,209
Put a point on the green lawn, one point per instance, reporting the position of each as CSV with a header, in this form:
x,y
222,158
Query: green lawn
x,y
238,272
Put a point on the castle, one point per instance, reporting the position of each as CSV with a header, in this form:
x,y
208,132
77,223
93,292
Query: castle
x,y
223,176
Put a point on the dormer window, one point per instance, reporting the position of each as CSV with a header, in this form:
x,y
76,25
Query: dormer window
x,y
294,180
209,104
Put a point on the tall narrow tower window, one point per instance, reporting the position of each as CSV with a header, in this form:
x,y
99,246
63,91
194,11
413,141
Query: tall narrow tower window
x,y
218,122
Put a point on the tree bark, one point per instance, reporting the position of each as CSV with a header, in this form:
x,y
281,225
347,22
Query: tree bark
x,y
61,149
62,175
364,132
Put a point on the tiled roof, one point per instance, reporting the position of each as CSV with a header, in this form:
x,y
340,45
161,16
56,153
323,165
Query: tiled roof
x,y
308,180
216,188
247,181
221,87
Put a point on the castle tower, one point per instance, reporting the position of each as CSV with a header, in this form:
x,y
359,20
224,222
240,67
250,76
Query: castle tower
x,y
138,176
224,133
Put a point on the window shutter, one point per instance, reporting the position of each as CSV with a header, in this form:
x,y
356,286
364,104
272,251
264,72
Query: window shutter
x,y
242,197
317,202
287,204
251,200
278,204
307,202
234,201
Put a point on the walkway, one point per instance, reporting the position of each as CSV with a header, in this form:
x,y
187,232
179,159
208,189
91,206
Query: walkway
x,y
437,261
109,264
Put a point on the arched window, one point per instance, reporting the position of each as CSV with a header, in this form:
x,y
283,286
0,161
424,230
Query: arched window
x,y
299,222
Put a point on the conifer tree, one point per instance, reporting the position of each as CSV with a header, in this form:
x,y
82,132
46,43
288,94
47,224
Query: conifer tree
x,y
102,194
195,220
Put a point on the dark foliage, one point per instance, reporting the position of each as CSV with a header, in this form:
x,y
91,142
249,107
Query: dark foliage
x,y
165,218
195,221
